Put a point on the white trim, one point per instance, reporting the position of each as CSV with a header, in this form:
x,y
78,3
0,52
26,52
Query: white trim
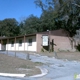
x,y
43,72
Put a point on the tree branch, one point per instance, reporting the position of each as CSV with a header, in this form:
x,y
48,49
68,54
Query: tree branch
x,y
76,4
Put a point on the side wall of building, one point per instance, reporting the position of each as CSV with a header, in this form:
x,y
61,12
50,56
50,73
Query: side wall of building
x,y
60,39
61,43
39,42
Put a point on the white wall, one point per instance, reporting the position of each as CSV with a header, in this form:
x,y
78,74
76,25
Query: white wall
x,y
24,47
20,48
9,47
34,45
0,46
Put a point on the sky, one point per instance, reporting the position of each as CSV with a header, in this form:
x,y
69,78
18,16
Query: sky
x,y
18,9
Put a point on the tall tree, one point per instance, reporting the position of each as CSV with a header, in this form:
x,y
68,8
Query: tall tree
x,y
47,20
9,27
66,13
31,25
69,13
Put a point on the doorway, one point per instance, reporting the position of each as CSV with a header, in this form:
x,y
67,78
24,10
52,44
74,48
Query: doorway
x,y
3,46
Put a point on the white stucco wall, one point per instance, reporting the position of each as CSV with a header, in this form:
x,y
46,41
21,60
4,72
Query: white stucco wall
x,y
0,46
24,47
9,47
33,47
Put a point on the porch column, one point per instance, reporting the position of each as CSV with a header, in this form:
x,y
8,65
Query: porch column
x,y
24,43
49,41
7,45
15,46
1,44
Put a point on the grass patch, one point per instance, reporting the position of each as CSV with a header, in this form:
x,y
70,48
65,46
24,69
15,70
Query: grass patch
x,y
39,63
25,66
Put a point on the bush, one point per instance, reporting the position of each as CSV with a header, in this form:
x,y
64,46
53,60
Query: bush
x,y
42,50
78,47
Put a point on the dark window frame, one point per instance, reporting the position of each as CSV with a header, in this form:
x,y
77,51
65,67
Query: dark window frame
x,y
30,42
12,43
20,42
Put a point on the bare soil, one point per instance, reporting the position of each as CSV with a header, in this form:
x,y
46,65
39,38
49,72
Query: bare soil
x,y
10,64
69,56
63,55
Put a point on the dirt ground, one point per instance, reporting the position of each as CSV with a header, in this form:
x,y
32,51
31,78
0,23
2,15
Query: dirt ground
x,y
73,56
64,55
10,64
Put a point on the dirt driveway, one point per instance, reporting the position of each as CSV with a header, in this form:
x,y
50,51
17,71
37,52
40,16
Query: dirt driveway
x,y
10,64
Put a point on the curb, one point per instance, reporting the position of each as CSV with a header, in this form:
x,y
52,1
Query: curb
x,y
12,75
43,72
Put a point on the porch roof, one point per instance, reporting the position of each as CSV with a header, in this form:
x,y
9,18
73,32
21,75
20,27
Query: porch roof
x,y
2,38
60,32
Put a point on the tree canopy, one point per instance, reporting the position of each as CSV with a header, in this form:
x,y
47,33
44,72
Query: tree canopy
x,y
66,13
9,27
30,25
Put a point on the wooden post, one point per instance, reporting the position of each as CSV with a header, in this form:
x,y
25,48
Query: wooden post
x,y
52,45
15,46
49,41
28,56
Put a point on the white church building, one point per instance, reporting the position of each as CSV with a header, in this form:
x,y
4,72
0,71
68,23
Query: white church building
x,y
55,40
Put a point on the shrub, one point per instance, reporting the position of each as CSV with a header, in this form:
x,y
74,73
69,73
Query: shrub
x,y
78,47
42,50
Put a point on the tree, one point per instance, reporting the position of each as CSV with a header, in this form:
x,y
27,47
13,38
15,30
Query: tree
x,y
47,20
68,15
30,25
65,12
9,27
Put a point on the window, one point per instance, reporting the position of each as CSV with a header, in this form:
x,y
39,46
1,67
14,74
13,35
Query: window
x,y
20,42
30,42
12,44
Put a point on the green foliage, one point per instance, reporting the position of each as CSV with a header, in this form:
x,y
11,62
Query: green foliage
x,y
9,27
42,50
39,63
47,21
30,25
68,15
65,14
25,66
